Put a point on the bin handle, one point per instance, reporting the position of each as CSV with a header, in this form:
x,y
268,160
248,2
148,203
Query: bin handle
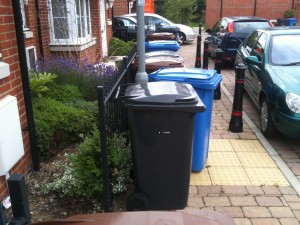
x,y
119,96
194,79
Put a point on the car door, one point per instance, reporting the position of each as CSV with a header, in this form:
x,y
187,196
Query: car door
x,y
254,72
217,35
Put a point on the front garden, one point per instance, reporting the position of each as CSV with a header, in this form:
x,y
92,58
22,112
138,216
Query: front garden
x,y
64,97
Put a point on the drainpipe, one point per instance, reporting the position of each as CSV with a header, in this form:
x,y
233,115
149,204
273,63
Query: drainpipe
x,y
254,13
221,9
38,20
25,82
293,4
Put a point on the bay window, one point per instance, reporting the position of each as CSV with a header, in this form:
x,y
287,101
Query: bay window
x,y
70,22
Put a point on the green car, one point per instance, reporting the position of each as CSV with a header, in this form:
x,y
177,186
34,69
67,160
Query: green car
x,y
272,77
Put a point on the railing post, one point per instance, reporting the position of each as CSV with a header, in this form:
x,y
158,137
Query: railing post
x,y
198,52
19,199
218,65
200,28
107,203
205,55
236,121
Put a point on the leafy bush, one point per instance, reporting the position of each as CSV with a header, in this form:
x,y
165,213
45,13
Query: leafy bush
x,y
90,107
289,13
118,47
39,82
86,76
83,175
58,125
64,92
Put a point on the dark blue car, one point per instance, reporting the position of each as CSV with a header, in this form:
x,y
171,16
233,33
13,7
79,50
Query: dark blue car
x,y
229,32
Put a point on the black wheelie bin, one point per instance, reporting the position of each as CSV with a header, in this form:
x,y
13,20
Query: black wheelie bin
x,y
161,121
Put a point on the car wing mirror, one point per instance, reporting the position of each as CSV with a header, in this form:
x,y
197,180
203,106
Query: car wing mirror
x,y
253,60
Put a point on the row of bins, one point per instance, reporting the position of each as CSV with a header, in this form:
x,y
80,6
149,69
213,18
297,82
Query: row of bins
x,y
170,121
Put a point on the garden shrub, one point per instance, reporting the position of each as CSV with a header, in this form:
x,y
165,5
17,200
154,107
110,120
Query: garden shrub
x,y
90,107
58,125
119,47
39,82
83,175
64,92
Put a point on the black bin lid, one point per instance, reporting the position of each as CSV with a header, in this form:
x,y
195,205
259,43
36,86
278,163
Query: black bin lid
x,y
163,95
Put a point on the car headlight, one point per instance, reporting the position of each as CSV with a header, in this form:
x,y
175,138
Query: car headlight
x,y
293,102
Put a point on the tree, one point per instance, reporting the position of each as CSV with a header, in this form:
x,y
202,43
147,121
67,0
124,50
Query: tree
x,y
182,11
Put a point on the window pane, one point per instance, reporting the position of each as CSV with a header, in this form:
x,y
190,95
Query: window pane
x,y
61,28
83,18
60,20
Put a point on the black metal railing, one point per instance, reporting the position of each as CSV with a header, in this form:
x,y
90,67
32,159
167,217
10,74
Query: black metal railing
x,y
111,119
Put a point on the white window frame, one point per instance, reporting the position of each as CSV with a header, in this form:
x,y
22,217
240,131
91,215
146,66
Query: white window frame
x,y
22,5
73,20
27,50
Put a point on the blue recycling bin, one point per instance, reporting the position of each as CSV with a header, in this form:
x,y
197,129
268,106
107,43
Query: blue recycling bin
x,y
204,82
292,21
161,45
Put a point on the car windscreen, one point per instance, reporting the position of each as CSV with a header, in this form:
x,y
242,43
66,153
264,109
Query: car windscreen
x,y
246,27
285,50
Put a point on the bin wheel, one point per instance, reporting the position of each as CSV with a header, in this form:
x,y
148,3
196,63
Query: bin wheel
x,y
137,202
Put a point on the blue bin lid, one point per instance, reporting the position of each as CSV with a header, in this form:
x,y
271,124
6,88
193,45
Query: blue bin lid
x,y
162,45
197,77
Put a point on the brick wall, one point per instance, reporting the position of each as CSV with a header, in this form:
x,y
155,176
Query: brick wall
x,y
120,7
270,9
12,85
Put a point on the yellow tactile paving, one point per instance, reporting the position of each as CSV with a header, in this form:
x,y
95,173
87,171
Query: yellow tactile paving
x,y
238,162
255,159
247,145
217,159
202,178
220,145
228,176
266,176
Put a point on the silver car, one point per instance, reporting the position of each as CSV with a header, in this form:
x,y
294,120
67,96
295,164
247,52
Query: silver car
x,y
186,33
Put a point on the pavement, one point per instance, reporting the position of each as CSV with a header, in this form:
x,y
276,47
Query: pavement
x,y
244,176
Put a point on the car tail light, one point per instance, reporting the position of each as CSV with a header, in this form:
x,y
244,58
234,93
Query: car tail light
x,y
230,27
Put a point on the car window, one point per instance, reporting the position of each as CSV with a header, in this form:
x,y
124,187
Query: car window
x,y
259,47
220,26
246,27
285,49
249,44
123,22
154,21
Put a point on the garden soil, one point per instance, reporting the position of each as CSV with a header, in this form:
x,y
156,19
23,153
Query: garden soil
x,y
44,207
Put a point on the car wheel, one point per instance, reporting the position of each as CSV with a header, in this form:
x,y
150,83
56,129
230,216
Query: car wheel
x,y
266,123
181,38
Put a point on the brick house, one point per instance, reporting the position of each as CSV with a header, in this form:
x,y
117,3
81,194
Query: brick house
x,y
270,9
50,27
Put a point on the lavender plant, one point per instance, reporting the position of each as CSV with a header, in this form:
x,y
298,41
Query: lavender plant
x,y
86,76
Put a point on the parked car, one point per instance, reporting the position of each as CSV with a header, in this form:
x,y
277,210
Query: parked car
x,y
229,32
154,21
125,28
272,77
